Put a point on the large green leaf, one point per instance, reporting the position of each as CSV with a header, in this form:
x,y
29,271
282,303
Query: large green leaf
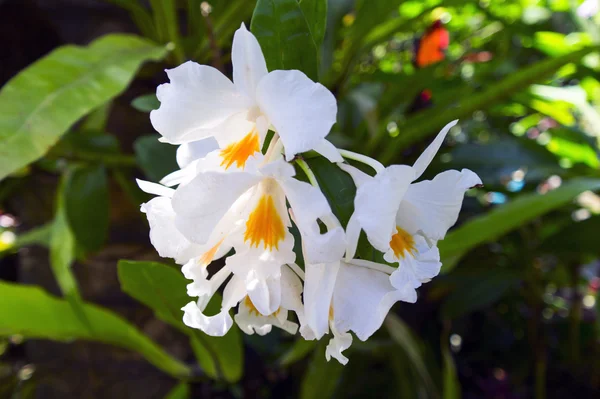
x,y
163,289
87,205
155,158
315,12
284,36
431,120
42,102
575,241
321,377
410,345
31,312
508,217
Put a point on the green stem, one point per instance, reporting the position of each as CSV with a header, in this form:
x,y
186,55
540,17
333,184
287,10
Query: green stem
x,y
308,172
378,166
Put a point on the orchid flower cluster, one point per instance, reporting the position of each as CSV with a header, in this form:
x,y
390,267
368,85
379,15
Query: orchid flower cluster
x,y
237,197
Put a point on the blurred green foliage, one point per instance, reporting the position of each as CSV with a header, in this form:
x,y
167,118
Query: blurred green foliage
x,y
515,313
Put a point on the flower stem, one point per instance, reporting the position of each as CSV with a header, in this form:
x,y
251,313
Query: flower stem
x,y
308,172
378,166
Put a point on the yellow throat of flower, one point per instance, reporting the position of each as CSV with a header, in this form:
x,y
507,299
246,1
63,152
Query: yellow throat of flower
x,y
241,150
401,243
265,224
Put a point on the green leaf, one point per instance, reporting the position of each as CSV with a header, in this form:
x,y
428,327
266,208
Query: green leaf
x,y
315,13
321,377
478,290
31,312
575,241
163,289
284,36
430,121
62,252
494,224
337,186
155,158
87,205
299,350
167,25
42,102
452,389
140,15
179,391
410,344
146,103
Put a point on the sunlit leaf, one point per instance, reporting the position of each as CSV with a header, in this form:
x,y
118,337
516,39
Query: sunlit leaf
x,y
505,218
163,289
32,313
284,36
87,205
42,102
430,121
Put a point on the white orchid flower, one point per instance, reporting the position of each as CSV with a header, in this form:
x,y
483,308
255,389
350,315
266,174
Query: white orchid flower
x,y
248,318
201,102
403,219
247,210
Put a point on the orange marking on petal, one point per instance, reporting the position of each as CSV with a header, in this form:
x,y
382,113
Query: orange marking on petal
x,y
401,243
209,255
251,308
240,151
265,224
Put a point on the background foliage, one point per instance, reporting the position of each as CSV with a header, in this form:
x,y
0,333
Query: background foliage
x,y
515,312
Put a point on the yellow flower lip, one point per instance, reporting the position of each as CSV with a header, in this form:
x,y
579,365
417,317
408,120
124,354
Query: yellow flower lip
x,y
241,150
265,224
402,243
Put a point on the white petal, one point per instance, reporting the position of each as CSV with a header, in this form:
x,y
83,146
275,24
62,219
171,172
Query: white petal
x,y
427,156
301,110
197,97
204,201
352,236
361,299
357,175
291,290
416,269
164,236
216,326
154,188
249,64
328,150
339,343
319,284
265,293
377,201
189,152
309,204
234,292
432,206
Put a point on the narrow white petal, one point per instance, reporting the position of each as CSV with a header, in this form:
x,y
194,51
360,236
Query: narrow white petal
x,y
249,64
328,150
432,206
318,292
301,110
154,188
265,293
427,156
197,97
357,175
189,152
